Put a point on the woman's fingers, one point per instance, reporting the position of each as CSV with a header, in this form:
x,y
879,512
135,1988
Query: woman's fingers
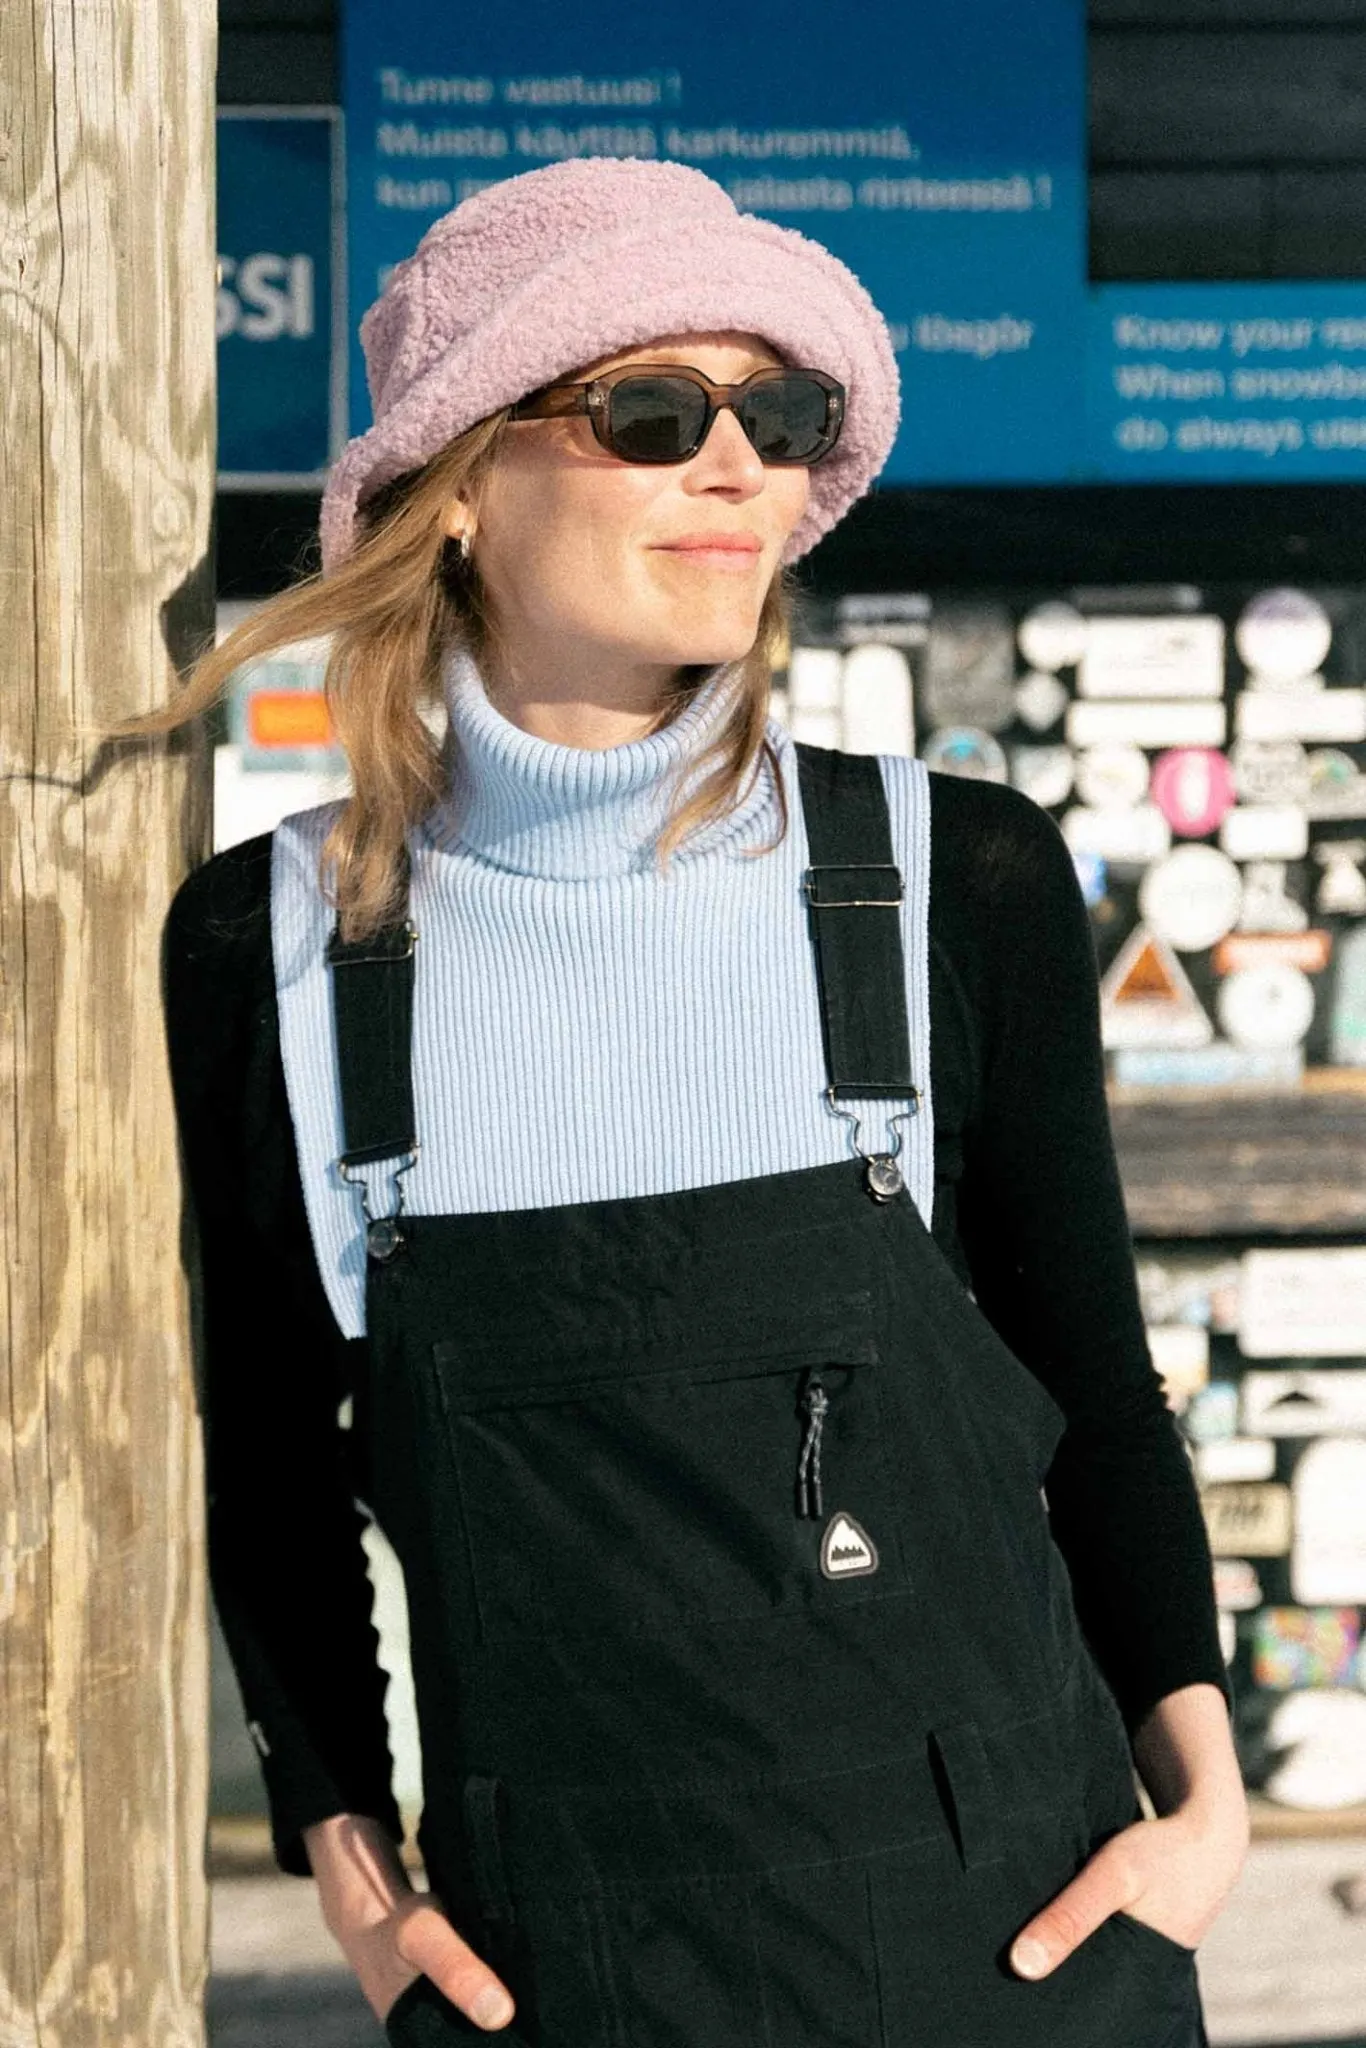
x,y
1077,1910
427,1940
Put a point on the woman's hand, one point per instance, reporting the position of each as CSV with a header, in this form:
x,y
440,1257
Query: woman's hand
x,y
389,1933
1173,1872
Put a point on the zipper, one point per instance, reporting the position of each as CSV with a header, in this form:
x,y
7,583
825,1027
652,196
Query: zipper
x,y
814,1403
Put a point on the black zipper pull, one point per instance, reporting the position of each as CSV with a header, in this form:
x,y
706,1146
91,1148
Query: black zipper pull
x,y
814,1402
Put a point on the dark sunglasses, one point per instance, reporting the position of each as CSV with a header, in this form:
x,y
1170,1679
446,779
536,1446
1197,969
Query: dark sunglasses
x,y
644,415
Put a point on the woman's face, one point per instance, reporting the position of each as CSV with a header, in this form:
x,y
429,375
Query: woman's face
x,y
574,545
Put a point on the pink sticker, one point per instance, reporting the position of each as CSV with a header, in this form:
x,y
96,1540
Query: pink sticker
x,y
1193,788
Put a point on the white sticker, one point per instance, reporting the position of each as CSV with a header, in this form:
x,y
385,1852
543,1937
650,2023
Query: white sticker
x,y
1053,636
1283,633
1265,832
1338,714
1192,897
1336,786
877,701
1236,1585
1190,1287
1181,656
1319,1733
1180,1355
1146,998
1255,680
1342,889
1112,778
1267,905
1270,771
1212,1413
815,679
1040,701
817,728
1328,1556
1236,1458
1044,774
1181,723
1134,837
1317,1400
1304,1303
1268,1007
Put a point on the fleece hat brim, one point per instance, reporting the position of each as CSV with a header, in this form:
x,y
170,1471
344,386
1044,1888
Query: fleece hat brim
x,y
542,273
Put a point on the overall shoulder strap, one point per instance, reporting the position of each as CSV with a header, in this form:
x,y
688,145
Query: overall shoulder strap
x,y
372,1003
854,891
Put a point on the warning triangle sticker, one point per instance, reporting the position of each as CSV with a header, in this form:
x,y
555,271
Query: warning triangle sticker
x,y
847,1550
1146,998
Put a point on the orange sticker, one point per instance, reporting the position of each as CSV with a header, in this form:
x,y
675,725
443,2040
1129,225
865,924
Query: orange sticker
x,y
288,718
1308,951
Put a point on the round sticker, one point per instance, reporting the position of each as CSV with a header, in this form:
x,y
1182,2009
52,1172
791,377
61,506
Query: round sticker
x,y
1335,784
965,750
1211,1413
1052,636
1193,788
1112,778
1191,897
1283,633
1040,700
1043,773
1266,1008
1270,771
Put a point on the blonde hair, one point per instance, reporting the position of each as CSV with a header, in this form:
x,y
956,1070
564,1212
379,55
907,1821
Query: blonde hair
x,y
391,611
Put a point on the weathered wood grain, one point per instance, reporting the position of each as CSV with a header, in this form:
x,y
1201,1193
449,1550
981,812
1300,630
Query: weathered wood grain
x,y
106,482
1231,1164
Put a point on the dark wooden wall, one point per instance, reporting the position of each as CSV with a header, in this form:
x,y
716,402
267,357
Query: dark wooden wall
x,y
1227,140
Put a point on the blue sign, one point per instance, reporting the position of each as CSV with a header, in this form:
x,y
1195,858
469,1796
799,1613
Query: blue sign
x,y
1253,383
939,151
281,355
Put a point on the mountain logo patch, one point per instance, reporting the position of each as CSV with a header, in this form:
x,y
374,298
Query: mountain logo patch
x,y
847,1550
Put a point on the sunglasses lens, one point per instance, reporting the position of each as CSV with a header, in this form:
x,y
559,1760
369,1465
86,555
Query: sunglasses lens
x,y
786,418
656,419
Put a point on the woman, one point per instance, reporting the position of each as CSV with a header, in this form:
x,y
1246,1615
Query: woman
x,y
717,1229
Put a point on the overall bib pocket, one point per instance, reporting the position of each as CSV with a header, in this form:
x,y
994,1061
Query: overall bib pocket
x,y
737,1470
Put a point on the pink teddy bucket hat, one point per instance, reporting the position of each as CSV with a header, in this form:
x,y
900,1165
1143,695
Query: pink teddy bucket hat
x,y
541,273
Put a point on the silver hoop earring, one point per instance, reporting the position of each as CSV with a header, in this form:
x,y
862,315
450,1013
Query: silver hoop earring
x,y
463,542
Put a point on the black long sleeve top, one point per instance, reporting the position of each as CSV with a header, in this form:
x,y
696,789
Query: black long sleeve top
x,y
1028,1209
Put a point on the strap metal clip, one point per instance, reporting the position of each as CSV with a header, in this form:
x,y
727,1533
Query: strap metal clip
x,y
382,1234
883,1176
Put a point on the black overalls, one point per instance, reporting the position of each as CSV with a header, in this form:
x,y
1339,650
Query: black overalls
x,y
753,1706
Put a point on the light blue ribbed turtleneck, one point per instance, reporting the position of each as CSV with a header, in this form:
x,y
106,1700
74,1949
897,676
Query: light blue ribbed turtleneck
x,y
585,1026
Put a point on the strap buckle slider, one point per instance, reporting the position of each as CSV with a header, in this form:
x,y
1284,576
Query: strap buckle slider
x,y
396,942
811,885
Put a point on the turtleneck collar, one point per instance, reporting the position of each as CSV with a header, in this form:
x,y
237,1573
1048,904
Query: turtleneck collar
x,y
536,807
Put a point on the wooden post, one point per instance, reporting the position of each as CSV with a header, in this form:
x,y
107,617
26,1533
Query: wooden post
x,y
107,451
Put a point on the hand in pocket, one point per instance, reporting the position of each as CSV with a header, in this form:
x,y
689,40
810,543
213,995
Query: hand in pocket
x,y
1167,1874
418,1940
